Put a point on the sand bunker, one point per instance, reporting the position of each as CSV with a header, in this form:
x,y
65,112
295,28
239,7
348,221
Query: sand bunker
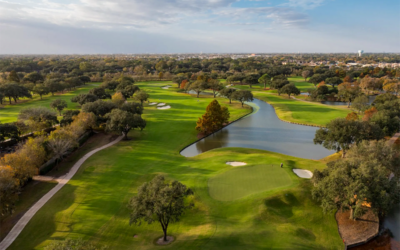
x,y
164,107
161,104
236,163
166,87
152,103
303,173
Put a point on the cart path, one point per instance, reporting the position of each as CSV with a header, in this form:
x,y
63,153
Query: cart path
x,y
17,229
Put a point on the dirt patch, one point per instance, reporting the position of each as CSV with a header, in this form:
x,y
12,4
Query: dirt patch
x,y
306,174
161,241
383,242
164,107
236,163
357,231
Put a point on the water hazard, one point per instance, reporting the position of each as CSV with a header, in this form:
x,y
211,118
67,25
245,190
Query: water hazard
x,y
263,130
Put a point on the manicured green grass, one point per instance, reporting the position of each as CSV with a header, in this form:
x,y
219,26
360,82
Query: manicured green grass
x,y
243,181
9,113
93,205
302,112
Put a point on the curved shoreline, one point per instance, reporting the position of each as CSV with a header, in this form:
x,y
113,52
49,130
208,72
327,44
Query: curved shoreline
x,y
24,220
251,113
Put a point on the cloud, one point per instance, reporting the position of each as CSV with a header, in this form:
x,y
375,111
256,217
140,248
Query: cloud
x,y
284,17
305,4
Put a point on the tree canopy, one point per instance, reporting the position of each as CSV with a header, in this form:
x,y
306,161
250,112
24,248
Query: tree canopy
x,y
159,201
214,118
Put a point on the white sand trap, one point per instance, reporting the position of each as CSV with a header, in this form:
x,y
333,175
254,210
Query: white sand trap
x,y
152,103
236,163
166,87
307,174
165,107
161,104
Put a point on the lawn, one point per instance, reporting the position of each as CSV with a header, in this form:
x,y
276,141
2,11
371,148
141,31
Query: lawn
x,y
240,182
92,205
300,111
9,113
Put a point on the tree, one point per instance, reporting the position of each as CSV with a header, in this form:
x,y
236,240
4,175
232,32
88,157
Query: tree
x,y
13,76
61,140
368,84
53,85
317,78
252,79
392,86
33,77
265,79
110,85
215,86
333,81
38,118
85,66
123,121
352,184
278,82
349,91
58,105
384,155
360,103
141,96
198,86
118,99
9,131
84,98
352,116
227,93
41,90
127,90
389,124
214,118
160,201
132,107
84,79
290,89
305,74
243,96
99,108
14,91
340,134
73,82
381,99
100,93
160,75
68,116
178,79
369,113
9,189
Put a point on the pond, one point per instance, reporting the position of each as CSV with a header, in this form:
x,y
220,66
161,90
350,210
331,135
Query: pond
x,y
263,130
371,98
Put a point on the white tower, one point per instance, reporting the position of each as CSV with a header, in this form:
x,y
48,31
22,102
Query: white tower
x,y
360,52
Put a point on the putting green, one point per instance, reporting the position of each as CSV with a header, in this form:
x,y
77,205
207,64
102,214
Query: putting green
x,y
243,181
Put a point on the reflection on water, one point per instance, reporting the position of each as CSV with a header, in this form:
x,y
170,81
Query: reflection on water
x,y
371,98
392,221
263,130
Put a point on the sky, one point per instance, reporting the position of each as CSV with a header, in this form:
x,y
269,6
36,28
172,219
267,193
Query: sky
x,y
195,26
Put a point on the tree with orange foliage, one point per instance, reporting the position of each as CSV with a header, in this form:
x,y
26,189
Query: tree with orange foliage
x,y
321,84
369,113
9,189
352,116
214,118
391,86
347,79
183,84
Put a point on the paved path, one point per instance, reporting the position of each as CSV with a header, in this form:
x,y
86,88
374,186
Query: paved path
x,y
394,139
17,229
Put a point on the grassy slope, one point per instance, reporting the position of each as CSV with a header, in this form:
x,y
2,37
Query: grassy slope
x,y
10,112
93,204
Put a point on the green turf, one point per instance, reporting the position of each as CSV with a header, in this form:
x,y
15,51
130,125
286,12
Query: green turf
x,y
9,113
93,205
240,182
